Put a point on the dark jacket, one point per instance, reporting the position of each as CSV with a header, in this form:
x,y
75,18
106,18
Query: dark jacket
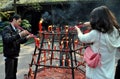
x,y
11,42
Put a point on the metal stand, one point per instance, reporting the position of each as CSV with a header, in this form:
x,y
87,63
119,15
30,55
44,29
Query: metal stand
x,y
48,54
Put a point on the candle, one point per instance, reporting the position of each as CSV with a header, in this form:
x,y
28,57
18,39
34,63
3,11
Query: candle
x,y
66,28
66,37
44,57
38,62
67,44
69,62
48,44
32,76
63,62
34,59
52,55
76,43
50,28
61,44
48,47
56,66
30,70
55,47
49,57
40,25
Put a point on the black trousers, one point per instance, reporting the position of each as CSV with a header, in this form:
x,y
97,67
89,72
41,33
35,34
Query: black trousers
x,y
11,68
117,73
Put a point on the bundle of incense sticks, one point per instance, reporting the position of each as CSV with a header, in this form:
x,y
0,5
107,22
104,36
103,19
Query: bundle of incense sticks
x,y
20,28
79,26
37,40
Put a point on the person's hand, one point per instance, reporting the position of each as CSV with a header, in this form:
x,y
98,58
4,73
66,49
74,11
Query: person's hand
x,y
87,24
77,28
29,36
24,33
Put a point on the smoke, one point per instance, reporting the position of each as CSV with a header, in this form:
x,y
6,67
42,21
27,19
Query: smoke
x,y
67,14
71,13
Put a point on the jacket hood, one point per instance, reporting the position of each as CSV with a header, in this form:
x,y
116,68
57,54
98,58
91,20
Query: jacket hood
x,y
113,38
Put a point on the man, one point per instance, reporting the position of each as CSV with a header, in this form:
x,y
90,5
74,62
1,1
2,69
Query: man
x,y
12,38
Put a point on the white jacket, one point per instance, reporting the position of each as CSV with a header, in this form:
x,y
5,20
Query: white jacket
x,y
108,44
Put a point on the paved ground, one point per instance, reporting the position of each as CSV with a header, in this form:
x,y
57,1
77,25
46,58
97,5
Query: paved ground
x,y
24,61
23,64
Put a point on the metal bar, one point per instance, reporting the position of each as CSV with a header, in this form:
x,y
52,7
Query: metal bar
x,y
52,49
32,59
39,56
71,57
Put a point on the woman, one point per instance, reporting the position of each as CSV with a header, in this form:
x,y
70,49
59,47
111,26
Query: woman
x,y
105,36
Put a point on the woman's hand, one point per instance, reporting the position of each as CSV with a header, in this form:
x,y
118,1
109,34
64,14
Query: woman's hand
x,y
87,24
78,30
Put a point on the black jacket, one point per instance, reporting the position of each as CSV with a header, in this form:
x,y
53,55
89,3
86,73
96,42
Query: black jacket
x,y
11,42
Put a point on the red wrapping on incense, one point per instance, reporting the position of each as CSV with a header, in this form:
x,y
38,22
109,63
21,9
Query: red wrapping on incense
x,y
37,42
79,26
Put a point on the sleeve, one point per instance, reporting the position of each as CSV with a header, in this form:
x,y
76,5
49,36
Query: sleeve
x,y
6,35
10,38
88,37
22,40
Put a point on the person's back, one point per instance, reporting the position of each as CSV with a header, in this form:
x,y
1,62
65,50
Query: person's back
x,y
105,38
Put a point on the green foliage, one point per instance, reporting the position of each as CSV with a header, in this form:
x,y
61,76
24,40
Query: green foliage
x,y
4,20
3,24
4,15
26,25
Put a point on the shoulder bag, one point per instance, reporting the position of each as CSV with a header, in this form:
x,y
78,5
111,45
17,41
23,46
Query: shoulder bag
x,y
92,59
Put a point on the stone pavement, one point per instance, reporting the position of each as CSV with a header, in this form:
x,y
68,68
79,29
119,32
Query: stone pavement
x,y
24,61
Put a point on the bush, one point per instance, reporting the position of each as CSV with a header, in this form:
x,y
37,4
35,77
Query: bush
x,y
26,25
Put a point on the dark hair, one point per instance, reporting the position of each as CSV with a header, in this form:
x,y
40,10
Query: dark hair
x,y
103,20
15,16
